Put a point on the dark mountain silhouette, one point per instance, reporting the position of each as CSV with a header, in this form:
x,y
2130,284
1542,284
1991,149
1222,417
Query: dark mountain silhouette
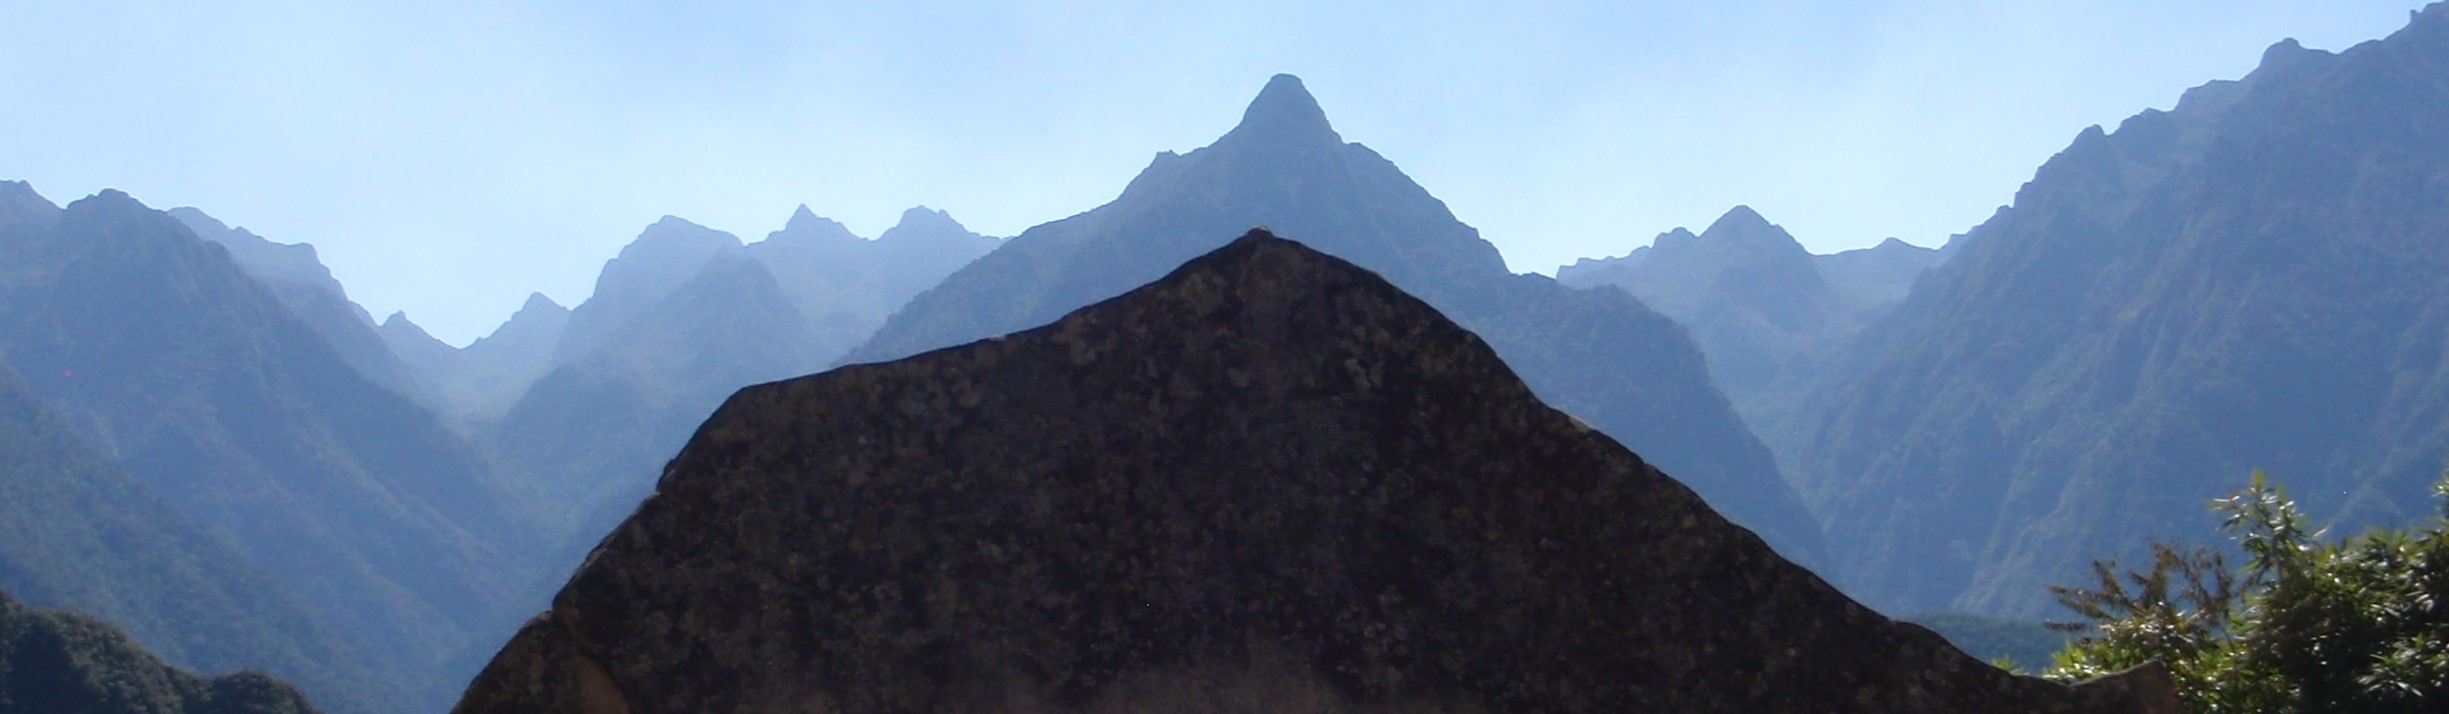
x,y
169,359
1270,481
1599,355
475,385
78,533
63,663
1753,298
2252,280
298,278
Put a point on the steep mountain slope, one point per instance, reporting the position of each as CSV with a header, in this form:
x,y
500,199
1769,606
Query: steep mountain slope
x,y
1601,356
665,255
168,358
1270,481
1753,299
298,278
61,663
2252,280
591,435
591,430
475,385
76,532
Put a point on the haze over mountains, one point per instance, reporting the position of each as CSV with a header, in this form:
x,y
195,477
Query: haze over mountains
x,y
203,440
1602,357
1260,483
1764,310
2249,281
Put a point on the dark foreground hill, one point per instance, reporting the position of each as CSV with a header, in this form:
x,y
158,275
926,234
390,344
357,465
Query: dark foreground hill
x,y
1599,355
1270,481
62,663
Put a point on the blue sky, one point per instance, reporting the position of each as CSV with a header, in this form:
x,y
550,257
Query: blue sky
x,y
449,158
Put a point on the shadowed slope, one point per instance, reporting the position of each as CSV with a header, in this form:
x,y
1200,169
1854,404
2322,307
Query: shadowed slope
x,y
1270,481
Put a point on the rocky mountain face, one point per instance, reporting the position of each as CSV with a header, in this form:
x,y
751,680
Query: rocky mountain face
x,y
297,277
2249,281
164,356
475,385
62,663
1270,481
1753,299
76,532
1601,356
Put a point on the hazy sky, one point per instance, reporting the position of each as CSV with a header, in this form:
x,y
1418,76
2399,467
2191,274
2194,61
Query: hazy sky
x,y
449,158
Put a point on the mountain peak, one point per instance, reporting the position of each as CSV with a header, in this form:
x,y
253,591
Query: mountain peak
x,y
926,219
538,302
1280,451
1284,110
1740,217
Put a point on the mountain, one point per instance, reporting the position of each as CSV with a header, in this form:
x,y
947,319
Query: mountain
x,y
299,280
62,663
1270,481
1601,356
590,429
846,285
1878,277
164,356
591,434
2249,281
77,532
665,255
1753,299
475,385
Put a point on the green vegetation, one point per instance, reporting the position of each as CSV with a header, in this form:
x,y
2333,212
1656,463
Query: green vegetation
x,y
2308,625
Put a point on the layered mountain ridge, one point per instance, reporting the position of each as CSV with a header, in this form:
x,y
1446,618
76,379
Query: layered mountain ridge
x,y
1602,356
1269,481
2249,281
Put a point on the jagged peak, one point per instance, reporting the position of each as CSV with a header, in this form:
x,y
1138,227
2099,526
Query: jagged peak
x,y
19,197
1745,227
677,231
1284,111
922,218
538,302
805,225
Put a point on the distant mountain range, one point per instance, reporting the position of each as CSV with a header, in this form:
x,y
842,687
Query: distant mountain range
x,y
682,318
1764,310
203,439
162,354
1600,356
1268,481
2252,280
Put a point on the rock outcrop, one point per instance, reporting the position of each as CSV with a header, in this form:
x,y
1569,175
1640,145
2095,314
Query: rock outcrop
x,y
1270,481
